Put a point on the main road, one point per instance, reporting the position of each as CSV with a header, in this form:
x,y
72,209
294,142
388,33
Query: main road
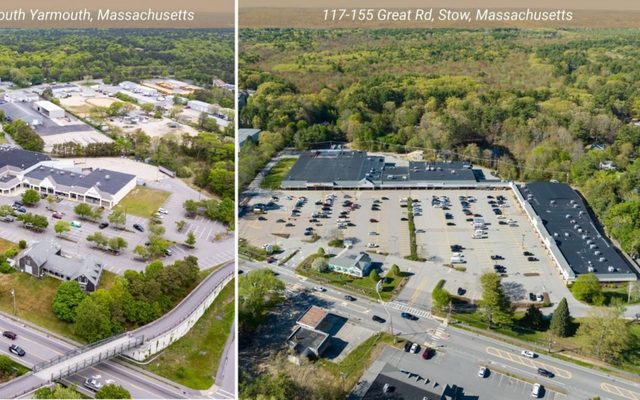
x,y
579,382
41,345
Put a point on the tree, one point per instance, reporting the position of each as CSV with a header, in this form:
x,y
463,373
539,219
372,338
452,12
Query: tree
x,y
533,318
6,210
30,197
116,244
84,211
51,199
191,239
495,305
180,225
99,239
117,218
22,244
191,208
68,296
147,108
62,227
394,271
112,391
319,264
93,320
142,251
34,221
587,288
320,252
58,392
374,275
441,297
561,320
604,334
257,291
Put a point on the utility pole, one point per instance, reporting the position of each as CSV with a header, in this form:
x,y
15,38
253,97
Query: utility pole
x,y
378,289
13,294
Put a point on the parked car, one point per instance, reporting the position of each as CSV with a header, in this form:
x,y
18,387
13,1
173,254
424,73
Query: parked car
x,y
546,373
168,252
415,348
56,215
482,372
537,389
349,297
8,218
378,319
261,218
461,291
407,346
426,354
281,221
17,350
76,224
10,335
319,289
138,227
103,225
532,259
373,220
527,253
528,353
163,211
21,210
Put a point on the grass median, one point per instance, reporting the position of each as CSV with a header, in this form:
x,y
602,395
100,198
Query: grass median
x,y
143,201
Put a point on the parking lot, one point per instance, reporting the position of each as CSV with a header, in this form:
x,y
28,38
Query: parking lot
x,y
376,221
450,368
210,252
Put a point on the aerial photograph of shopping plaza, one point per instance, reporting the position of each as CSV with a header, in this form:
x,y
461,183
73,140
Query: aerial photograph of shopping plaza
x,y
460,221
117,214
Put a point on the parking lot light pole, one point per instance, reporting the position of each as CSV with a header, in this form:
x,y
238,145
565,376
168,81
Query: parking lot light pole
x,y
378,289
13,295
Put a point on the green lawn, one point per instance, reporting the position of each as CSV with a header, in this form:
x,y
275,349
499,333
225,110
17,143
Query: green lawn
x,y
277,173
5,245
143,202
361,286
34,308
193,360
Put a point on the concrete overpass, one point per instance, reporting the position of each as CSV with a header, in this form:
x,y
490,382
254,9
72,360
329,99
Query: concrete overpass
x,y
152,338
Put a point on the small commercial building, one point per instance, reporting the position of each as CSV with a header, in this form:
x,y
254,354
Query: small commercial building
x,y
354,264
201,106
47,258
48,109
311,335
14,163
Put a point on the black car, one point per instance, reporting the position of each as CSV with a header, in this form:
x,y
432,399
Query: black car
x,y
532,296
408,316
456,248
527,253
103,225
545,373
378,319
407,346
532,259
461,291
349,297
138,227
261,218
17,350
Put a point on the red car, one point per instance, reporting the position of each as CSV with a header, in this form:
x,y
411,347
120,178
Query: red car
x,y
427,353
57,215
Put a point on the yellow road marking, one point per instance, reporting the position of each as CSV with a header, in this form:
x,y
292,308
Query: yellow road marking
x,y
528,362
622,392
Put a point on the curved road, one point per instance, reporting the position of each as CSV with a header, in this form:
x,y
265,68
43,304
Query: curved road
x,y
41,346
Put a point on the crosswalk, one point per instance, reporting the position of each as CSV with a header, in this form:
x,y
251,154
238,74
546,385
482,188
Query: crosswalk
x,y
412,310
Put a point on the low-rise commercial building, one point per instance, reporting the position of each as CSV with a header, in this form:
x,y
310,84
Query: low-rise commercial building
x,y
355,264
201,106
48,109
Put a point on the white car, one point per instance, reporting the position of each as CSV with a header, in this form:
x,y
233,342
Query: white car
x,y
373,233
415,348
535,392
482,372
92,384
372,245
163,211
319,289
528,353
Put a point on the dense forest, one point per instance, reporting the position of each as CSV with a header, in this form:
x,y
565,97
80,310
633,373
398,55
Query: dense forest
x,y
31,57
532,104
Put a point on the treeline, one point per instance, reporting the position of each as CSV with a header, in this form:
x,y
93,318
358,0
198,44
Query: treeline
x,y
23,135
533,105
31,57
132,301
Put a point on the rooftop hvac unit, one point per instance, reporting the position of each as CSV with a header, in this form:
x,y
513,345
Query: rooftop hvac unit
x,y
552,202
566,234
555,234
572,201
602,259
567,216
610,268
589,241
593,246
597,252
581,213
575,206
585,237
579,230
591,269
576,226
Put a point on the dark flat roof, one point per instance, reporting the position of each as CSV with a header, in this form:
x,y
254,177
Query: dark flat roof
x,y
401,390
578,236
304,339
19,158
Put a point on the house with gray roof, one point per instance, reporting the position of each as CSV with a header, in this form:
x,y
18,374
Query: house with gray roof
x,y
355,264
47,258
